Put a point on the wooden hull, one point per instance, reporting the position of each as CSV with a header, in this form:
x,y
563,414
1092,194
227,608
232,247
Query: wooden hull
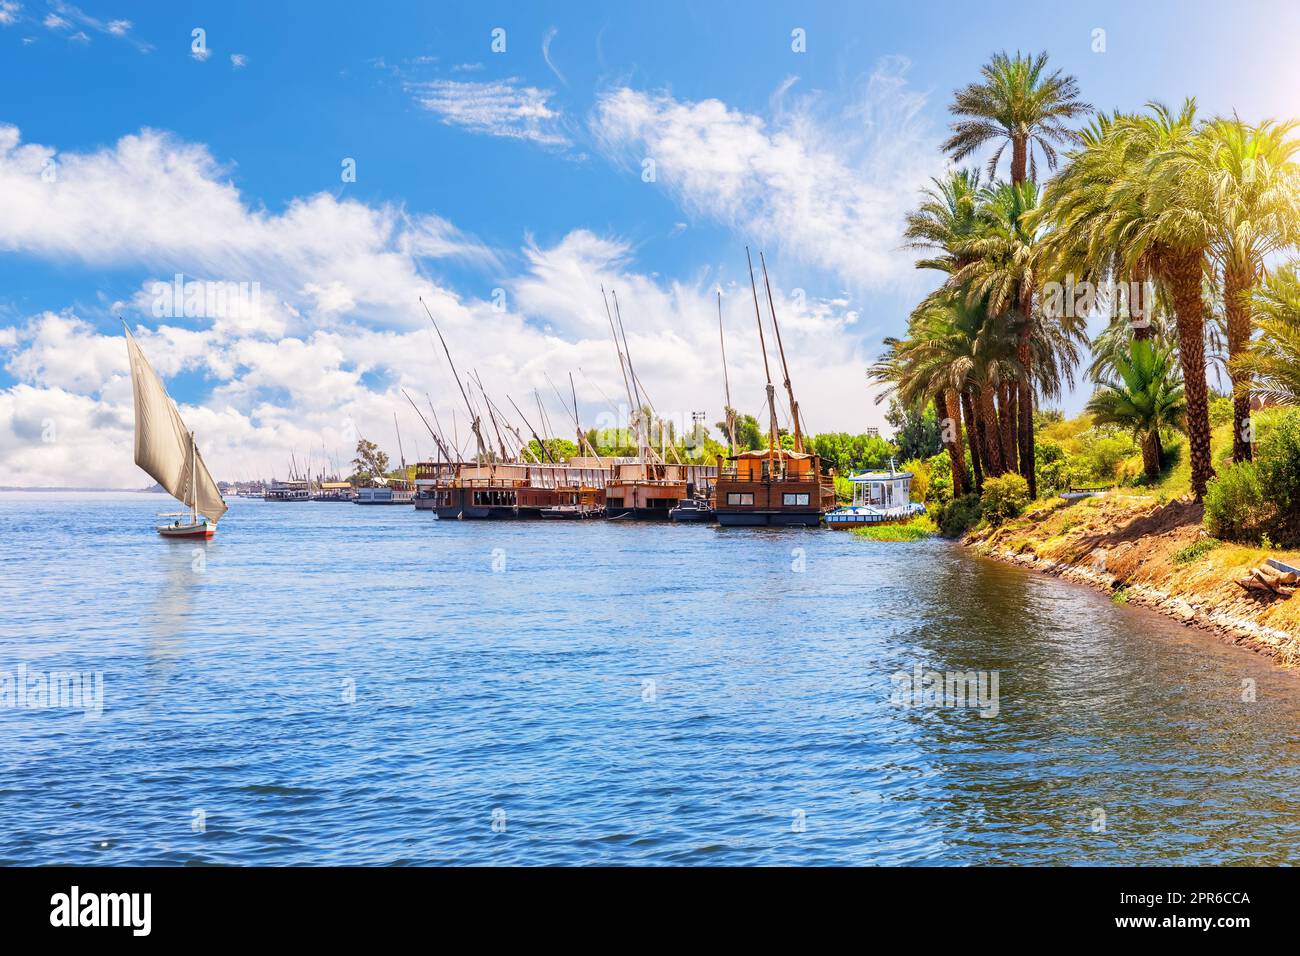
x,y
769,519
760,504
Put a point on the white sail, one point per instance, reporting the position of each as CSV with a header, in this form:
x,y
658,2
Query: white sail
x,y
163,445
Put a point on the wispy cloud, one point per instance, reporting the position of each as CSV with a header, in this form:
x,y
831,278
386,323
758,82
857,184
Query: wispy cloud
x,y
495,107
546,53
238,61
824,184
9,11
64,16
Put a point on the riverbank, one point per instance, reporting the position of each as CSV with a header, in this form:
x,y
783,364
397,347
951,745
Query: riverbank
x,y
1157,555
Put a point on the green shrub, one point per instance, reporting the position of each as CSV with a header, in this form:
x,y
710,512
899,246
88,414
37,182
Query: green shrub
x,y
1277,459
1105,453
940,491
1220,410
1235,504
1196,549
958,516
1004,497
1051,467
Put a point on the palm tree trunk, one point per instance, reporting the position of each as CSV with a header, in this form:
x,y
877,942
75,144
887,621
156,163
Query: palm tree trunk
x,y
950,431
1151,454
1237,283
1184,272
1007,421
977,453
992,434
1026,411
1019,158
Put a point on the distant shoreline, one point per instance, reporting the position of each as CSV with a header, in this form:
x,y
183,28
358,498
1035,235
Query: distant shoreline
x,y
140,491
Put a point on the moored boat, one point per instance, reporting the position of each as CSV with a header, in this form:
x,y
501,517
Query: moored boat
x,y
879,497
697,510
773,486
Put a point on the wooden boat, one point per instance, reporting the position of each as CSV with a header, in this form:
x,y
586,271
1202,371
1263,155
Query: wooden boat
x,y
879,497
650,490
774,486
167,452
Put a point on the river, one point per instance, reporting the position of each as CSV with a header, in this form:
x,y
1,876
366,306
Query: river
x,y
335,684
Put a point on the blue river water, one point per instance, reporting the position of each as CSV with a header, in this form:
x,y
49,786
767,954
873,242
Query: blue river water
x,y
335,684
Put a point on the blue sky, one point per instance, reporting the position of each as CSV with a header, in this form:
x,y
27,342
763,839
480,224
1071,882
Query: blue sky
x,y
479,170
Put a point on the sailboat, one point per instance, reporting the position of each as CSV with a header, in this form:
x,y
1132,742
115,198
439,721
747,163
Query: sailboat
x,y
166,450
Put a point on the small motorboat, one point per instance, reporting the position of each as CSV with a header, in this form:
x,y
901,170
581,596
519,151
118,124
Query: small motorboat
x,y
692,509
879,497
571,511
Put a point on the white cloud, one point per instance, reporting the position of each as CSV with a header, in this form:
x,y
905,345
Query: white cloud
x,y
53,21
9,11
238,60
119,27
830,187
495,107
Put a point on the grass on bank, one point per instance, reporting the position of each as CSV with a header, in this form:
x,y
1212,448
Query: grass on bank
x,y
917,529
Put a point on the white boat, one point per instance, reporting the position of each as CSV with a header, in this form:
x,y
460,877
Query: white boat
x,y
384,495
879,497
292,490
167,452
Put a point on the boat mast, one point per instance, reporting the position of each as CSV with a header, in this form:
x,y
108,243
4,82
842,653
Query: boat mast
x,y
194,485
771,390
492,415
400,454
541,444
478,432
730,415
789,389
636,385
622,365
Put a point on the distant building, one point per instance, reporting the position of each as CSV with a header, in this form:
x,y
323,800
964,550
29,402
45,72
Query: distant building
x,y
872,431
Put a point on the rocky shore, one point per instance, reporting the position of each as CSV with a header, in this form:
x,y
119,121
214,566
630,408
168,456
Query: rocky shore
x,y
1157,555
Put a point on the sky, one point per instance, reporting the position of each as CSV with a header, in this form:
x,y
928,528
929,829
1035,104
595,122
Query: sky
x,y
337,162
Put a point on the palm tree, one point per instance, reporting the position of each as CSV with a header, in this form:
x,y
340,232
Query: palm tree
x,y
947,216
1001,268
953,348
1273,359
1146,396
1019,103
1243,180
1144,218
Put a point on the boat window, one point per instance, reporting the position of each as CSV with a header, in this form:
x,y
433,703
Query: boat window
x,y
795,499
740,498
